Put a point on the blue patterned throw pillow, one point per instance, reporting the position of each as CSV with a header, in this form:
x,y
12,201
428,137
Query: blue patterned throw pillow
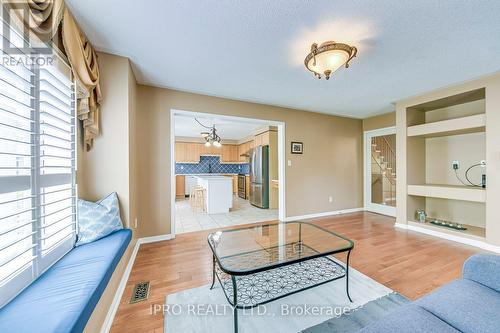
x,y
98,219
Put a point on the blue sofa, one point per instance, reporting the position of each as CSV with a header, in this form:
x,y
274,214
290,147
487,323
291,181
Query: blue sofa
x,y
469,305
62,299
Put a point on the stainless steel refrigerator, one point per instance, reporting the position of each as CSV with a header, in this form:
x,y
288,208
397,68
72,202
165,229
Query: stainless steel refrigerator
x,y
259,176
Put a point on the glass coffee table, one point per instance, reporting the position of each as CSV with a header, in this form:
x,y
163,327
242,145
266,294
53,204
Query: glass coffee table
x,y
256,265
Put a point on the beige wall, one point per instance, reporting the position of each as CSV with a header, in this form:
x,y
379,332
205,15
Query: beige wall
x,y
468,149
273,169
493,159
133,149
111,165
380,121
105,168
330,166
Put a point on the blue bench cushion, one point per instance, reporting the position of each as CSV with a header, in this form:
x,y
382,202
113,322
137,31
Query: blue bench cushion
x,y
63,298
409,318
466,305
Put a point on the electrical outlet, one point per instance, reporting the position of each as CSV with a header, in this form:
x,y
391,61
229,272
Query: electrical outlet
x,y
330,199
483,163
135,223
289,163
455,165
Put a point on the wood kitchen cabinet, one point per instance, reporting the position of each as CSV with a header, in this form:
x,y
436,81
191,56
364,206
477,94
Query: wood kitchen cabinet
x,y
229,154
179,186
247,187
257,140
261,139
244,149
187,152
190,152
235,184
212,150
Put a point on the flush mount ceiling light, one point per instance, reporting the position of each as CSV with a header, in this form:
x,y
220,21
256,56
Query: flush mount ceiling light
x,y
211,137
328,57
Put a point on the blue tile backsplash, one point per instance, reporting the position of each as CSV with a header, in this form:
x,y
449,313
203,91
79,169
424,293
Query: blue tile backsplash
x,y
204,167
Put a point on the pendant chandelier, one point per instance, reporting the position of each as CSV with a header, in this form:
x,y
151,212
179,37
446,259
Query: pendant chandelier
x,y
328,57
210,136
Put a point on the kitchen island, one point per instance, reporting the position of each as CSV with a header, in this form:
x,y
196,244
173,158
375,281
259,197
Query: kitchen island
x,y
219,192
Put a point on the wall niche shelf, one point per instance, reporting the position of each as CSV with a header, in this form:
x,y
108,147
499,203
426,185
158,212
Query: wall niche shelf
x,y
463,125
451,192
472,232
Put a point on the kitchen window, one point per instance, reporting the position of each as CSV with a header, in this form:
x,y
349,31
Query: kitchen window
x,y
37,163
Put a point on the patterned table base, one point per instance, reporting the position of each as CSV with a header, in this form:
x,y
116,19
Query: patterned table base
x,y
262,287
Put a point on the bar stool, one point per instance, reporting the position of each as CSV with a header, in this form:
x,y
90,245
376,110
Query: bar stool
x,y
197,198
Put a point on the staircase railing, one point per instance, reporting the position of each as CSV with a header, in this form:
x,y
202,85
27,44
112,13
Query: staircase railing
x,y
385,157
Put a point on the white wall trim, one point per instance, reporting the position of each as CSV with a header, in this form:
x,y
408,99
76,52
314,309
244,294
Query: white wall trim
x,y
110,316
324,214
463,240
153,239
106,326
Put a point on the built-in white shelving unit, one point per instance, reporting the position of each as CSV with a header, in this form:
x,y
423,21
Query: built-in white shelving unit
x,y
434,131
463,125
437,129
451,192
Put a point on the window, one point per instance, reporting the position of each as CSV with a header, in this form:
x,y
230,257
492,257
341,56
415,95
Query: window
x,y
37,164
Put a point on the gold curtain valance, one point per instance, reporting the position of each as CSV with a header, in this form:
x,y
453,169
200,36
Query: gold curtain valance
x,y
42,17
83,60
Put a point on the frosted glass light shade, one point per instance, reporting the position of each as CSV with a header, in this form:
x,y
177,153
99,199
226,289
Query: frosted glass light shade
x,y
328,57
330,60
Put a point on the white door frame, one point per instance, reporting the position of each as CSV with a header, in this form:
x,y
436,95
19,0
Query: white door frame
x,y
369,206
281,156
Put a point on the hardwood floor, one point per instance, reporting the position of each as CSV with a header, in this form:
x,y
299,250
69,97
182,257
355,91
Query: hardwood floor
x,y
410,263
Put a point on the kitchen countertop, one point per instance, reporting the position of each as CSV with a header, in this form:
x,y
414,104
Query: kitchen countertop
x,y
206,174
218,192
212,176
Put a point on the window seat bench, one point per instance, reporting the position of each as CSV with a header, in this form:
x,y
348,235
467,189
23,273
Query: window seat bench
x,y
63,298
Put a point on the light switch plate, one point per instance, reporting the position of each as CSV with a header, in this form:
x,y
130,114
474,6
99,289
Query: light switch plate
x,y
289,163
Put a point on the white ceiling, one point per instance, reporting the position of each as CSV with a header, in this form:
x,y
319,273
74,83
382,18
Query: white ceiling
x,y
186,126
254,50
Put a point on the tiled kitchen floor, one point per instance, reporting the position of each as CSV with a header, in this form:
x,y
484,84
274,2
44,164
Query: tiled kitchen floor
x,y
242,213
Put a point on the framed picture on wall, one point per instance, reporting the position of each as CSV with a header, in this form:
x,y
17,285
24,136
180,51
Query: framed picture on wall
x,y
297,147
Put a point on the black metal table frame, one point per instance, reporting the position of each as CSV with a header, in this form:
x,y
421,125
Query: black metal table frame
x,y
234,274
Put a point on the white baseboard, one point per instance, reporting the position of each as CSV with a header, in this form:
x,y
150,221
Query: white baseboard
x,y
463,240
324,214
123,282
153,239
